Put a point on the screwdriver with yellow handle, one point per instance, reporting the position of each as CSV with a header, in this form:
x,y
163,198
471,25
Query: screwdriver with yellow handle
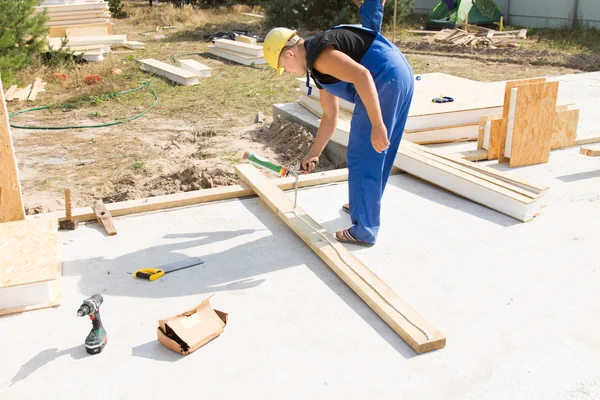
x,y
153,274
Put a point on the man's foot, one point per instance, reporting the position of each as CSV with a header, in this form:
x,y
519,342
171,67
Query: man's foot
x,y
346,207
344,236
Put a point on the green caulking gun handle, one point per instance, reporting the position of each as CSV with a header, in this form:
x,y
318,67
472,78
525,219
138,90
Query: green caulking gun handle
x,y
264,163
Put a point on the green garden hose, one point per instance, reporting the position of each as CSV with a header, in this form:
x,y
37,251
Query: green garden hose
x,y
144,85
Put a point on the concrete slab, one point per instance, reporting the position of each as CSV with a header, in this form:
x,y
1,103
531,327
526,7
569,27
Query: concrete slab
x,y
517,302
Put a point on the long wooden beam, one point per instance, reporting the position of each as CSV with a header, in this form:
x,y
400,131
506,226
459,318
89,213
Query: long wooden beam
x,y
11,199
418,333
196,197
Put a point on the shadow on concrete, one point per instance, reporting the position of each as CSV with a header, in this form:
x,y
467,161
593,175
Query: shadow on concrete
x,y
154,350
579,176
234,268
428,191
45,357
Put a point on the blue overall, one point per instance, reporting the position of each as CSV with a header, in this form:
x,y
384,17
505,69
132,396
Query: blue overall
x,y
368,171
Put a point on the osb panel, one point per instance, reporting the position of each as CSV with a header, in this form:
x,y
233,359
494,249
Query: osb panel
x,y
495,137
534,124
509,86
29,251
11,200
565,129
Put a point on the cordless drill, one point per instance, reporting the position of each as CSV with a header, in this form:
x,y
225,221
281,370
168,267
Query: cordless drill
x,y
96,339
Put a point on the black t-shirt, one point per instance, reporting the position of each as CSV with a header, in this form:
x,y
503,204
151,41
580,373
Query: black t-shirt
x,y
354,42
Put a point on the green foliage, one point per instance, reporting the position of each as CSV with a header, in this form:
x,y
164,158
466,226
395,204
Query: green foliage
x,y
22,34
116,9
61,57
205,4
318,14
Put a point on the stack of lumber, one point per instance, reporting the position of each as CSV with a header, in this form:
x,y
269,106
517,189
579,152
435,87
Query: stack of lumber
x,y
493,189
28,93
238,51
530,126
88,17
93,47
477,36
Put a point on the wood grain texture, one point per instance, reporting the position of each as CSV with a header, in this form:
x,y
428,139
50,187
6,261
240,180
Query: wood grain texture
x,y
11,200
509,86
357,276
565,129
482,121
495,139
534,124
29,251
104,217
590,151
197,197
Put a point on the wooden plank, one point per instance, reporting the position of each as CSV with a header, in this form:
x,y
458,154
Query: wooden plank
x,y
104,217
29,252
509,86
531,186
482,129
11,198
473,155
98,29
487,174
587,140
534,121
196,197
495,134
38,86
88,30
418,333
477,190
23,94
8,96
565,129
77,22
590,151
170,72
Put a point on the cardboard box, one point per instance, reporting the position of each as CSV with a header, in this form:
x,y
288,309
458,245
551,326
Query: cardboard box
x,y
188,331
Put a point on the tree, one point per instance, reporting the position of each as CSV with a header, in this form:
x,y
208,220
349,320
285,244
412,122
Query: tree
x,y
22,34
319,14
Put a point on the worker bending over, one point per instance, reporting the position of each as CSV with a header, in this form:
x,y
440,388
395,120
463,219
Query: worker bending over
x,y
358,64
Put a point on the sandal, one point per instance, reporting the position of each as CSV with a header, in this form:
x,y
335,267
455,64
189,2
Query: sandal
x,y
348,238
346,208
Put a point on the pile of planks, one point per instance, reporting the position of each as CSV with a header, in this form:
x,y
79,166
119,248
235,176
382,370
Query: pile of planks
x,y
81,17
242,50
28,93
530,125
477,36
93,48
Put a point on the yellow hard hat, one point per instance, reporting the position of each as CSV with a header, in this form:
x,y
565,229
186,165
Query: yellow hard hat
x,y
274,42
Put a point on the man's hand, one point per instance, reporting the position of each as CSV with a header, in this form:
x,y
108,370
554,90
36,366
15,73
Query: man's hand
x,y
309,163
379,138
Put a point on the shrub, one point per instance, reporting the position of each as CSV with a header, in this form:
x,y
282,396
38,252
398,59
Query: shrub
x,y
22,35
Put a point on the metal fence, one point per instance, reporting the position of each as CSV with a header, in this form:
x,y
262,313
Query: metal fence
x,y
539,13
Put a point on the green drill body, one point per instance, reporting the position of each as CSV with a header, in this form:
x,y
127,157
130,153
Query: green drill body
x,y
96,339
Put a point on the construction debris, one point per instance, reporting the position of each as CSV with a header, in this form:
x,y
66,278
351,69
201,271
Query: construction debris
x,y
28,93
480,37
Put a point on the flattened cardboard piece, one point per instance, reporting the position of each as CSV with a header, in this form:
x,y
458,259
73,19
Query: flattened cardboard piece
x,y
187,332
